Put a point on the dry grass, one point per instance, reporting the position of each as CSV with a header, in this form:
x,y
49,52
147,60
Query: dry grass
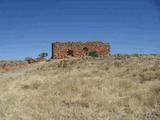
x,y
83,89
13,65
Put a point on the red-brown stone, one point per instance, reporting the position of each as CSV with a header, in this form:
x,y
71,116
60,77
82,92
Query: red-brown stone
x,y
66,50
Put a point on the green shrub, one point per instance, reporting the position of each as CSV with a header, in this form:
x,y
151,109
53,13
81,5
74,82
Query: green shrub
x,y
93,54
42,55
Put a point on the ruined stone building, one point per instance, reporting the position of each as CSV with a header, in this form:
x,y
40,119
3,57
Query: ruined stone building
x,y
77,49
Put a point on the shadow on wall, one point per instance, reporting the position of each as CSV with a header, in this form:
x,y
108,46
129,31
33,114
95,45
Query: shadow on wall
x,y
70,52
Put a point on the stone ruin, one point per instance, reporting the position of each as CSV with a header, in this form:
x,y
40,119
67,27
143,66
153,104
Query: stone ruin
x,y
78,49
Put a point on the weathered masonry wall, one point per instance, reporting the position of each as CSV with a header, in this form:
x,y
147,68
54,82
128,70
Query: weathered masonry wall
x,y
66,50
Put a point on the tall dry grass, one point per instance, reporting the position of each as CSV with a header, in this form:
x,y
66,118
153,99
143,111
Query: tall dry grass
x,y
113,88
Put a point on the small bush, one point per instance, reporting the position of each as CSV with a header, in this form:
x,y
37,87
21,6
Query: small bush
x,y
118,55
117,64
28,58
42,55
106,68
25,87
93,54
137,55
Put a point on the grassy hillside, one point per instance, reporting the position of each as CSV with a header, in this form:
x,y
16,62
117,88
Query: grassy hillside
x,y
12,65
113,88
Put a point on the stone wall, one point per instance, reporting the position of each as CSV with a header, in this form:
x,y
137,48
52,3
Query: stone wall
x,y
66,50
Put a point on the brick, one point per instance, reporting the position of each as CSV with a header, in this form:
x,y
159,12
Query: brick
x,y
76,49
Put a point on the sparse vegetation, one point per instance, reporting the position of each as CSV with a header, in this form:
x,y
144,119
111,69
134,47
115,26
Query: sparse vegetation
x,y
117,64
42,55
127,88
93,54
28,58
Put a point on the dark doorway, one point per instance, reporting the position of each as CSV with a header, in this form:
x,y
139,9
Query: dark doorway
x,y
85,49
70,53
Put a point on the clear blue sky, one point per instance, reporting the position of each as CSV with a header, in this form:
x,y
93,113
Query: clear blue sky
x,y
28,27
